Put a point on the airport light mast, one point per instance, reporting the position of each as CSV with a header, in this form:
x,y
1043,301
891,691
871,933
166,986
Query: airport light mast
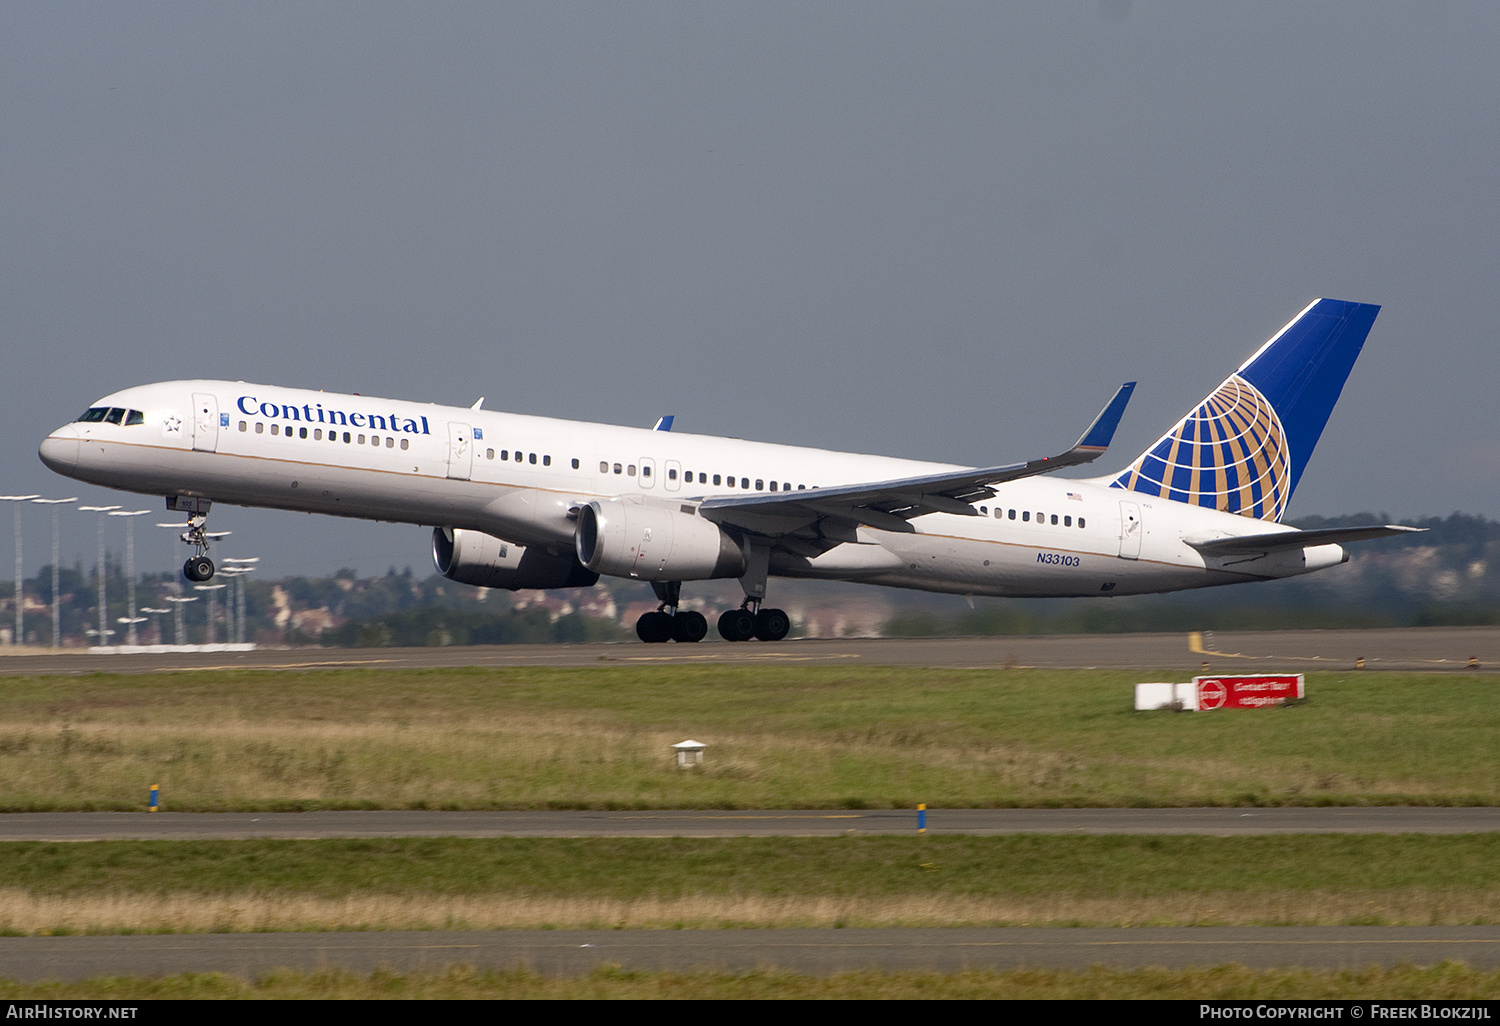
x,y
17,500
56,580
129,516
104,632
178,601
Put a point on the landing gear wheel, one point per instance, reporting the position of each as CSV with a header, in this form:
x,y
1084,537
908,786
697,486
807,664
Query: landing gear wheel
x,y
737,625
198,568
689,627
654,628
771,625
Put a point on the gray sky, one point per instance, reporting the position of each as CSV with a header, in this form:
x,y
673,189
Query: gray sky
x,y
934,230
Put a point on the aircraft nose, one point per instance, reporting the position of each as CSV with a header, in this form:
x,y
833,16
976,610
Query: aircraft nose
x,y
59,450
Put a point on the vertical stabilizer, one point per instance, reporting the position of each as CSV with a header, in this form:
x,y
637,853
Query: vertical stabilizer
x,y
1243,449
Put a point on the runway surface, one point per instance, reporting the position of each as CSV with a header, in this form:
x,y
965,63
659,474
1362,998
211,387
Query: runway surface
x,y
576,952
1415,648
96,826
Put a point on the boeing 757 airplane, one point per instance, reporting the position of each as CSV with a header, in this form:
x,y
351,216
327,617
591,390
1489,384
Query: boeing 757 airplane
x,y
533,502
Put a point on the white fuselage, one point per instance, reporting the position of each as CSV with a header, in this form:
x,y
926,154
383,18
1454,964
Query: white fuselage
x,y
521,478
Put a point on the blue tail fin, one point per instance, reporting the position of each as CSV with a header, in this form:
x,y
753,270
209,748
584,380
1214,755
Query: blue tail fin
x,y
1245,446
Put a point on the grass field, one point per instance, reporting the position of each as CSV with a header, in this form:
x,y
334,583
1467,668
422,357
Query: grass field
x,y
602,883
1446,981
778,737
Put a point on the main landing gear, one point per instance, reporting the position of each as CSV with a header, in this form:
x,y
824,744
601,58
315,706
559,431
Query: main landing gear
x,y
745,623
752,620
668,623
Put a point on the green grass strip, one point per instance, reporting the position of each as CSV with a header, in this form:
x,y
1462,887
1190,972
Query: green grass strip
x,y
777,736
1446,981
863,866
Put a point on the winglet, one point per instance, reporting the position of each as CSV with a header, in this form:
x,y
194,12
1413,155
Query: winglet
x,y
664,424
1102,430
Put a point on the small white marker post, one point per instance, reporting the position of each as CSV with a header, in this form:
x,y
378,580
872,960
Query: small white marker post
x,y
689,753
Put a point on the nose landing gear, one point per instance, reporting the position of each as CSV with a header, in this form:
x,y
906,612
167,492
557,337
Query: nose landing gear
x,y
199,567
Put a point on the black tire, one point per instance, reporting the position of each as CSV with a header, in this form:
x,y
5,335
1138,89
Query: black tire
x,y
737,625
689,627
654,628
198,569
771,625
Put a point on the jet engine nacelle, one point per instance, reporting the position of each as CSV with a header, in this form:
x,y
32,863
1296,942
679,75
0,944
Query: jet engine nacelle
x,y
648,543
473,557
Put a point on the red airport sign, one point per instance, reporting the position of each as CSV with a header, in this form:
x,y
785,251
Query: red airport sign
x,y
1252,691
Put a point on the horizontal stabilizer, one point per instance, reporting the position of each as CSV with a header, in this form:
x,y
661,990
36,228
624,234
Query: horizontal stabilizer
x,y
1295,539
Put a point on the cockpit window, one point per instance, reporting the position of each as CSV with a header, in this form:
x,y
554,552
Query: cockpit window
x,y
112,415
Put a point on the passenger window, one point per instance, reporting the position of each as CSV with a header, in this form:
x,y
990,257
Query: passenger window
x,y
984,510
317,434
404,442
575,464
1054,520
390,443
1080,521
716,478
630,470
671,474
546,461
1067,521
645,471
619,469
1026,516
744,482
802,488
1012,514
244,426
361,439
760,485
260,427
346,438
773,486
603,467
786,486
533,457
489,454
275,429
302,432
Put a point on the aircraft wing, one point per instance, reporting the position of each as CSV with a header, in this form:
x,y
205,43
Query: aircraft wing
x,y
1294,539
890,505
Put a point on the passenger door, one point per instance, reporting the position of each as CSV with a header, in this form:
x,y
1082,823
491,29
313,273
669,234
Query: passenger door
x,y
205,422
460,451
1130,530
